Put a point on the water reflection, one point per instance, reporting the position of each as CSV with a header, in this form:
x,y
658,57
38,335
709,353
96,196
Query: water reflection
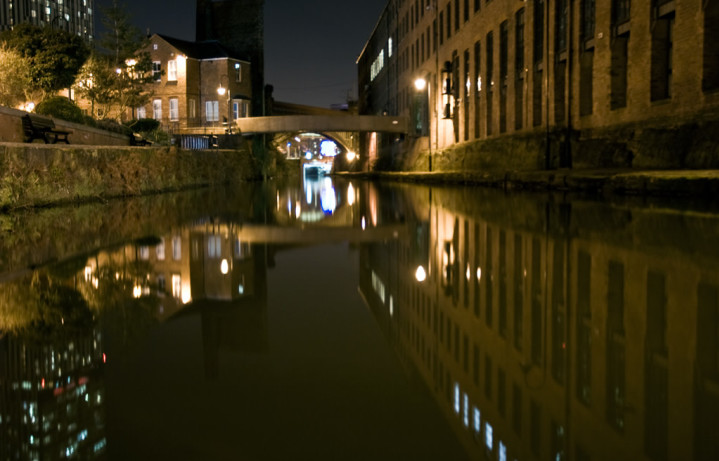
x,y
524,328
554,330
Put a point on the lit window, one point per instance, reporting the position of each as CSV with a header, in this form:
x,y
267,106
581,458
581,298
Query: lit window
x,y
157,109
176,286
235,110
171,70
174,110
456,398
488,440
160,250
502,452
214,246
177,248
141,112
477,420
144,253
238,72
389,47
212,111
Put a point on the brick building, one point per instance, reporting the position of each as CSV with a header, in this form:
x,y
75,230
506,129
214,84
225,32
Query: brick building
x,y
74,16
546,84
239,26
197,84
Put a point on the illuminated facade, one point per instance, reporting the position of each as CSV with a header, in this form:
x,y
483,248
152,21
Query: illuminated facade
x,y
196,84
74,16
537,84
544,334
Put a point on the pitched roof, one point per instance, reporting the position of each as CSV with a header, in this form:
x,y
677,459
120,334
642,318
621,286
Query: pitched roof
x,y
210,49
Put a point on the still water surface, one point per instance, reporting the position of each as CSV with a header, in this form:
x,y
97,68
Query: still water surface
x,y
358,321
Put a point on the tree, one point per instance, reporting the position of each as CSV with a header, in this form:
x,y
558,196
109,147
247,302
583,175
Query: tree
x,y
116,77
54,56
14,77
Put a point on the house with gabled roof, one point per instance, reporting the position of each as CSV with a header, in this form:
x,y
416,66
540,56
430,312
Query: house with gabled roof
x,y
196,84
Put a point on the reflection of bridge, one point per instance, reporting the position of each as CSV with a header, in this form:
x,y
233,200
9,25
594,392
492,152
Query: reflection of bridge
x,y
259,233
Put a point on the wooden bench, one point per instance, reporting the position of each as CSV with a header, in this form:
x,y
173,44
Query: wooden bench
x,y
37,127
136,139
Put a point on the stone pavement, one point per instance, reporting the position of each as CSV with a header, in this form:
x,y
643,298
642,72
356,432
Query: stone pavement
x,y
667,183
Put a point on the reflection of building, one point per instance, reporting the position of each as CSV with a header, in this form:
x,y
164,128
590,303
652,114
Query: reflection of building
x,y
52,398
547,334
74,16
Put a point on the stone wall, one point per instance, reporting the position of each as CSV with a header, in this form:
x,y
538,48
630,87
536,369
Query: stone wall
x,y
40,174
11,131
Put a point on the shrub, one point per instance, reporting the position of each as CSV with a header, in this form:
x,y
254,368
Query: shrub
x,y
62,108
144,125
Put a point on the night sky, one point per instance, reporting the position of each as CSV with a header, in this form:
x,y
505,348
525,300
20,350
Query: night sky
x,y
311,46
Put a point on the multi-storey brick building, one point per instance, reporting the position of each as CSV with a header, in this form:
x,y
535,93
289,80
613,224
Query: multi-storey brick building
x,y
545,84
196,84
74,16
239,26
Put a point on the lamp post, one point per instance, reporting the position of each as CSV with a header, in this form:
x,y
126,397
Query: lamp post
x,y
222,91
423,89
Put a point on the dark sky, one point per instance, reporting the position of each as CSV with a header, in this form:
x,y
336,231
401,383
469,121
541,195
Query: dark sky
x,y
311,46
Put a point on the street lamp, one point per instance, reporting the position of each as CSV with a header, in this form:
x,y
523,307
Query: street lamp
x,y
423,88
221,91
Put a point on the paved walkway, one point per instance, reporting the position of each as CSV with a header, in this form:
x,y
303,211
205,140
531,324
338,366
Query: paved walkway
x,y
671,183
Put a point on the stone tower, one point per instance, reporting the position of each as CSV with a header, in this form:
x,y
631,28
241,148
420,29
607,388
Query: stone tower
x,y
239,26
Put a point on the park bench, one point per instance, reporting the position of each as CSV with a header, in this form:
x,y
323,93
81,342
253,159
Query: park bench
x,y
136,139
37,127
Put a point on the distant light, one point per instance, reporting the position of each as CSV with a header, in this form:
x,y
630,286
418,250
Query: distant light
x,y
221,90
395,122
350,195
420,84
420,274
224,267
104,358
131,62
118,71
479,273
237,65
308,155
241,289
351,156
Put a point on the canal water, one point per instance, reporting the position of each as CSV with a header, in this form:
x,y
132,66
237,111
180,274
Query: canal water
x,y
347,320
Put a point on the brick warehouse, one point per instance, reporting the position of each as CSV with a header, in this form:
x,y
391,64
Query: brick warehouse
x,y
544,84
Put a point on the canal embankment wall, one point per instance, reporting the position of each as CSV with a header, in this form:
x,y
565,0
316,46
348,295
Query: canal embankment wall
x,y
46,174
659,145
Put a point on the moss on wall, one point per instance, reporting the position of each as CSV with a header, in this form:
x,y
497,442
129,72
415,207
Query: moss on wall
x,y
37,175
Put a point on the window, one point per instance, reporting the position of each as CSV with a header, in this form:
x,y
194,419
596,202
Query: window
x,y
157,109
191,108
171,70
160,250
141,112
214,247
212,111
176,286
174,110
177,248
156,71
238,72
